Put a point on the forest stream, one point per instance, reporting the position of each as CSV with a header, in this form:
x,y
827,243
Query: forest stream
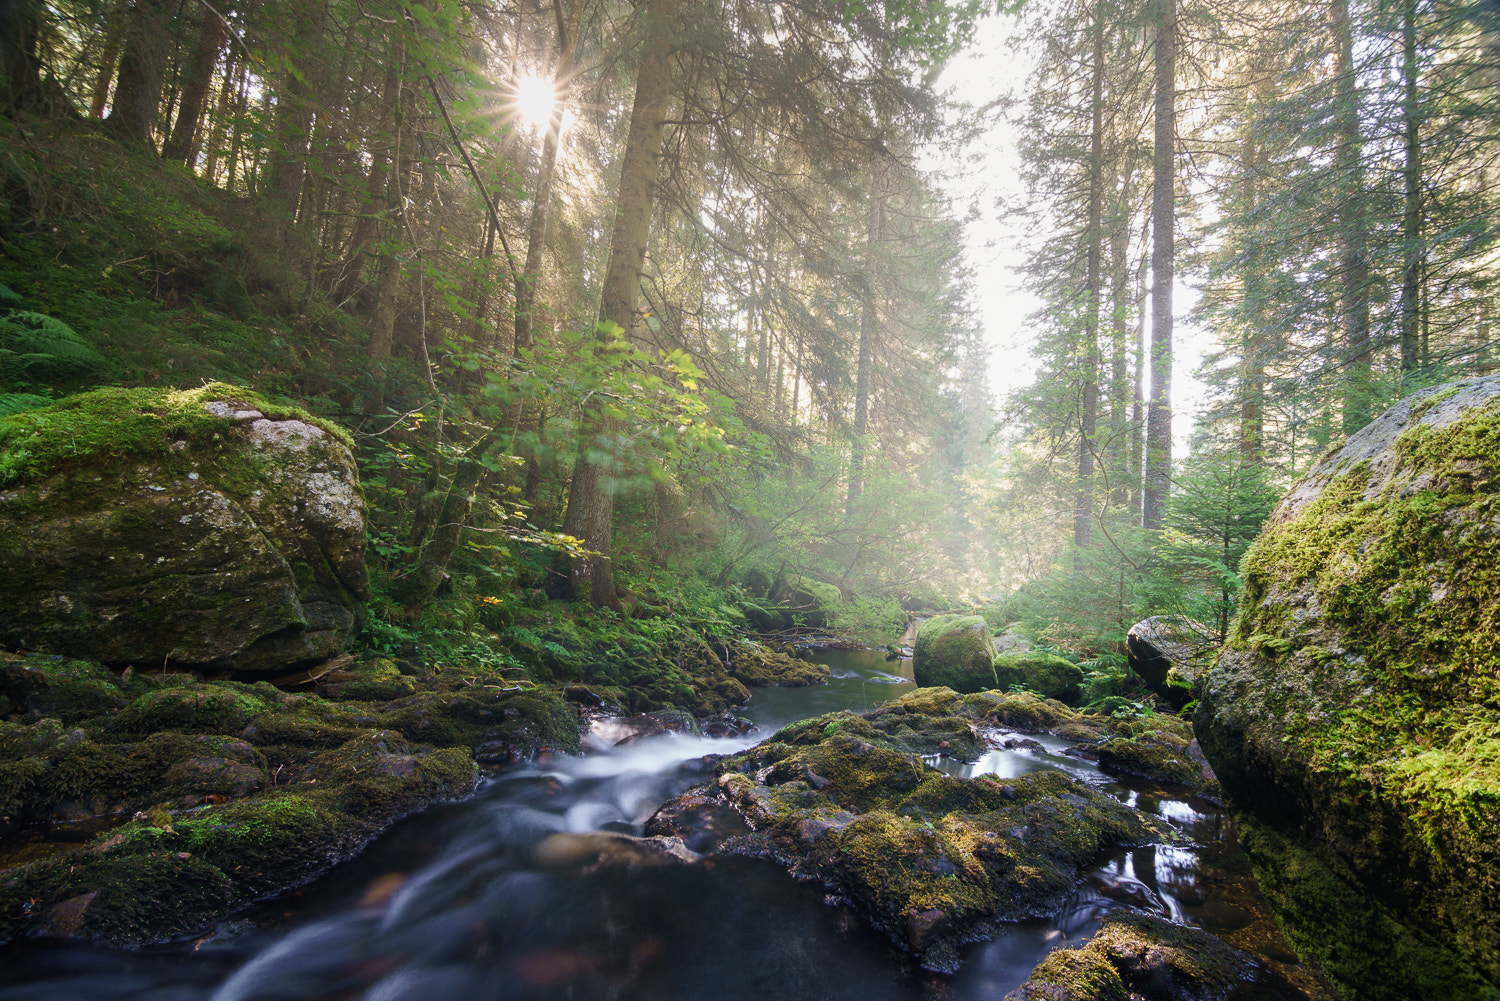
x,y
474,899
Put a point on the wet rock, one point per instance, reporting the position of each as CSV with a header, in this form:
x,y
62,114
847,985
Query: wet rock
x,y
1352,714
955,651
608,848
1138,956
1168,653
930,860
155,527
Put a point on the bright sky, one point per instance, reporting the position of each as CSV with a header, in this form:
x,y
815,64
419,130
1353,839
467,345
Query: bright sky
x,y
996,249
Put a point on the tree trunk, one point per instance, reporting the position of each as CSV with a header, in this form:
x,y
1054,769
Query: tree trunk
x,y
182,146
590,514
294,110
1088,410
1411,227
1354,262
142,66
869,323
537,233
1163,231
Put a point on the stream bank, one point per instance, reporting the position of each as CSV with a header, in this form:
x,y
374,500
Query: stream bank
x,y
462,898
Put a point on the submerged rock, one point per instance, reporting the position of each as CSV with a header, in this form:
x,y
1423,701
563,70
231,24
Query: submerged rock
x,y
1354,714
158,527
930,860
955,651
1168,653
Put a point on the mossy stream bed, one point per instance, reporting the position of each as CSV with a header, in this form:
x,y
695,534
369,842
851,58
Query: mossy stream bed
x,y
526,890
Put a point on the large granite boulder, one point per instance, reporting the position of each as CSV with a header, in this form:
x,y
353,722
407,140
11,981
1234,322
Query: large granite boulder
x,y
204,528
1353,716
1168,652
955,651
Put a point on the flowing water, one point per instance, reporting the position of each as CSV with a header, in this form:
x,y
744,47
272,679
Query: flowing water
x,y
495,897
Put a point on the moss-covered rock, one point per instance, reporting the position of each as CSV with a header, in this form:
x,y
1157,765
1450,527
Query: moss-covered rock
x,y
237,790
1168,653
1356,706
198,527
955,651
930,860
761,666
1049,675
1137,956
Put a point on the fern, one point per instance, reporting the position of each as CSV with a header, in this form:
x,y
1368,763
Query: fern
x,y
35,340
14,403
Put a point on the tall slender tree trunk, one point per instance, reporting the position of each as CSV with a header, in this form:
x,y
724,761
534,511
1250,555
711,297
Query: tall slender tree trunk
x,y
1411,225
294,109
182,145
1354,262
1252,375
1163,270
591,502
869,322
1088,411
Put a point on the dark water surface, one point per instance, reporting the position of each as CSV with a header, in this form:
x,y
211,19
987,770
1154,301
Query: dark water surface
x,y
497,897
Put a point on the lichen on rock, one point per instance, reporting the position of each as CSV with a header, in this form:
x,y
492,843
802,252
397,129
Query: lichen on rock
x,y
1354,708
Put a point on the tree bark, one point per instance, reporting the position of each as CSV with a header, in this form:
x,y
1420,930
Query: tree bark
x,y
1163,271
142,67
1354,262
590,514
1088,410
1411,226
182,146
869,323
536,237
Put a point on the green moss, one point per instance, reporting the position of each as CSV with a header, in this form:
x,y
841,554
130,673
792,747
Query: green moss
x,y
1361,681
1150,759
189,709
929,859
1137,955
125,424
1323,915
1049,676
955,651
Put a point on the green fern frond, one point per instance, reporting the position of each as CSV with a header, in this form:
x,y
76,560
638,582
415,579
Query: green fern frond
x,y
14,403
31,340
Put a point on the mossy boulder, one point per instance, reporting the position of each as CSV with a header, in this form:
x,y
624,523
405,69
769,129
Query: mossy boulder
x,y
1049,675
930,860
1135,956
205,527
955,651
1355,709
1168,653
761,666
